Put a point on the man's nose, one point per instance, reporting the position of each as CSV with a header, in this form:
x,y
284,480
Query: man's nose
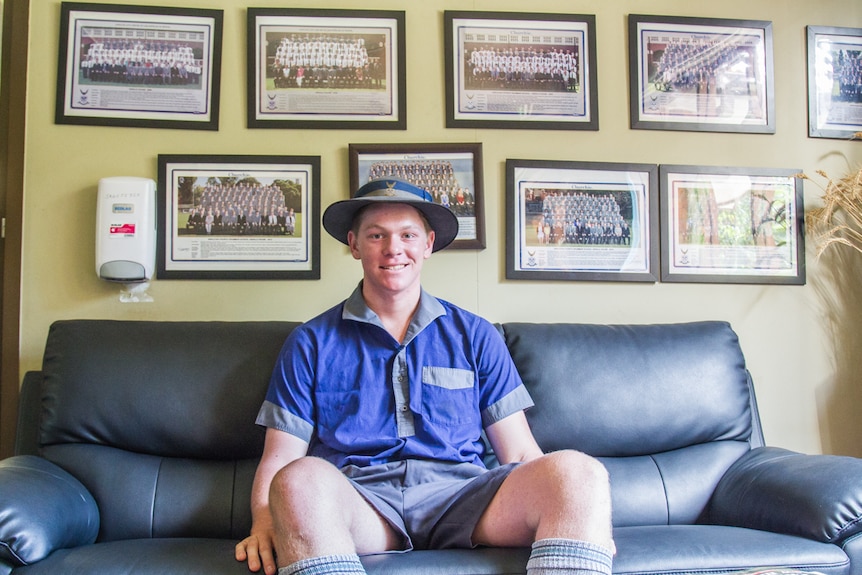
x,y
393,245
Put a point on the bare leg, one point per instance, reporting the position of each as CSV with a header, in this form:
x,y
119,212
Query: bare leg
x,y
564,495
317,512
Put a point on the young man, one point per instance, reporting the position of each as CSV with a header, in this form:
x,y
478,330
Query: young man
x,y
374,418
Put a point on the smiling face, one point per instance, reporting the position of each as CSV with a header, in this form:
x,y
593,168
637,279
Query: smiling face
x,y
392,241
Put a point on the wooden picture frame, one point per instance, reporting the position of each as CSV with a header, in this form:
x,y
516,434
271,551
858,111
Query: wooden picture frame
x,y
581,221
732,225
701,74
327,69
139,66
238,217
520,70
452,173
834,82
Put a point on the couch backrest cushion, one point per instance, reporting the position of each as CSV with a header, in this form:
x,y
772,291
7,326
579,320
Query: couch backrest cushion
x,y
175,389
629,390
156,419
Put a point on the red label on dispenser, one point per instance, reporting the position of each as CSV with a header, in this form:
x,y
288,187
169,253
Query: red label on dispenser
x,y
122,230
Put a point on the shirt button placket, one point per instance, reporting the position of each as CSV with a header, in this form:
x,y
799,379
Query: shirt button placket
x,y
401,389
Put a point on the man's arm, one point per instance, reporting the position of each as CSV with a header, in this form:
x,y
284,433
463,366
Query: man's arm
x,y
257,549
512,439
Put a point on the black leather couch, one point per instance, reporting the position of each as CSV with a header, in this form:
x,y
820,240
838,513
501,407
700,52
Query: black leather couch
x,y
137,449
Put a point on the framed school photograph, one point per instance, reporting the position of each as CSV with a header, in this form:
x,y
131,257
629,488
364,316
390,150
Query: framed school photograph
x,y
451,173
581,221
139,66
325,68
238,217
520,70
731,225
834,82
701,74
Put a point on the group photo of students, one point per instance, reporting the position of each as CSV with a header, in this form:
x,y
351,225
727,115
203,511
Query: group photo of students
x,y
557,217
335,61
702,65
240,209
521,67
139,62
435,176
848,74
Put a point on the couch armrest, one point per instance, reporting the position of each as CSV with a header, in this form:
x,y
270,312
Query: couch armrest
x,y
29,408
814,496
42,508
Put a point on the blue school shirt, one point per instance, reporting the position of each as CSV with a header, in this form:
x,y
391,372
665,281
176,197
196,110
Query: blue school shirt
x,y
359,397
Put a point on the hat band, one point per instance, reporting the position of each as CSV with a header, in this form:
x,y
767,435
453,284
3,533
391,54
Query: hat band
x,y
393,192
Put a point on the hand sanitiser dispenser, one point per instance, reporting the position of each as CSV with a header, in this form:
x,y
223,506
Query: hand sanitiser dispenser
x,y
126,234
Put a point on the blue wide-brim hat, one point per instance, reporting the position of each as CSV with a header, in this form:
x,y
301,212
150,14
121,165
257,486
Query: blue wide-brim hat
x,y
338,217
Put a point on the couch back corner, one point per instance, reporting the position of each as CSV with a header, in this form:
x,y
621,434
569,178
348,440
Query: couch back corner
x,y
156,418
667,407
632,389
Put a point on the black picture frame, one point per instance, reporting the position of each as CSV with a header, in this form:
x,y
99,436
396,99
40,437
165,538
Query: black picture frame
x,y
701,74
581,221
233,246
113,66
732,225
451,172
289,87
480,94
834,106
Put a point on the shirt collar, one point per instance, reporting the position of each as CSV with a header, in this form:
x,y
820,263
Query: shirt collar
x,y
429,309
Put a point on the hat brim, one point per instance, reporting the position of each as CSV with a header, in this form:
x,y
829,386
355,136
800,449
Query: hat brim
x,y
338,217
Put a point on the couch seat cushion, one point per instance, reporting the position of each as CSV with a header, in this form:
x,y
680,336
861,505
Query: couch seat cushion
x,y
655,550
702,549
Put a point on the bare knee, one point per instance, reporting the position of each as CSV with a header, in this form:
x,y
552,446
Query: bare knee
x,y
577,469
579,489
574,484
303,513
302,482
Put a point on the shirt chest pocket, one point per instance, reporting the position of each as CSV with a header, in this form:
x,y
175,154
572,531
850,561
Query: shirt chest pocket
x,y
449,395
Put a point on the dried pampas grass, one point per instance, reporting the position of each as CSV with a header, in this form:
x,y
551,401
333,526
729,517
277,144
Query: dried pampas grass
x,y
839,220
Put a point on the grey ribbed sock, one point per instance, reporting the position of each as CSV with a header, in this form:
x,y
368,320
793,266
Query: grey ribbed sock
x,y
559,556
326,565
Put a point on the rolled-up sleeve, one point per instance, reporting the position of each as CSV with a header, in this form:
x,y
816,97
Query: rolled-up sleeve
x,y
516,400
271,415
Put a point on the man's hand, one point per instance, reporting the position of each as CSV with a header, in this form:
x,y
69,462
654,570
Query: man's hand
x,y
257,549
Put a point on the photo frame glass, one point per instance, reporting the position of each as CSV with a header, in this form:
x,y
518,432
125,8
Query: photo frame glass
x,y
581,221
834,82
701,74
732,225
139,66
238,217
520,70
326,69
451,173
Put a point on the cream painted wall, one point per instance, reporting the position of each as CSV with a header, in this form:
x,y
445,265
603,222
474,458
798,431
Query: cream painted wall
x,y
806,382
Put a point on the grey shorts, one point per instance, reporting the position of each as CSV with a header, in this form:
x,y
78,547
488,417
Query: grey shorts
x,y
433,505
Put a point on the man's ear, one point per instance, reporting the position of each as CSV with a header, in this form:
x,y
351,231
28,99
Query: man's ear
x,y
429,246
351,243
